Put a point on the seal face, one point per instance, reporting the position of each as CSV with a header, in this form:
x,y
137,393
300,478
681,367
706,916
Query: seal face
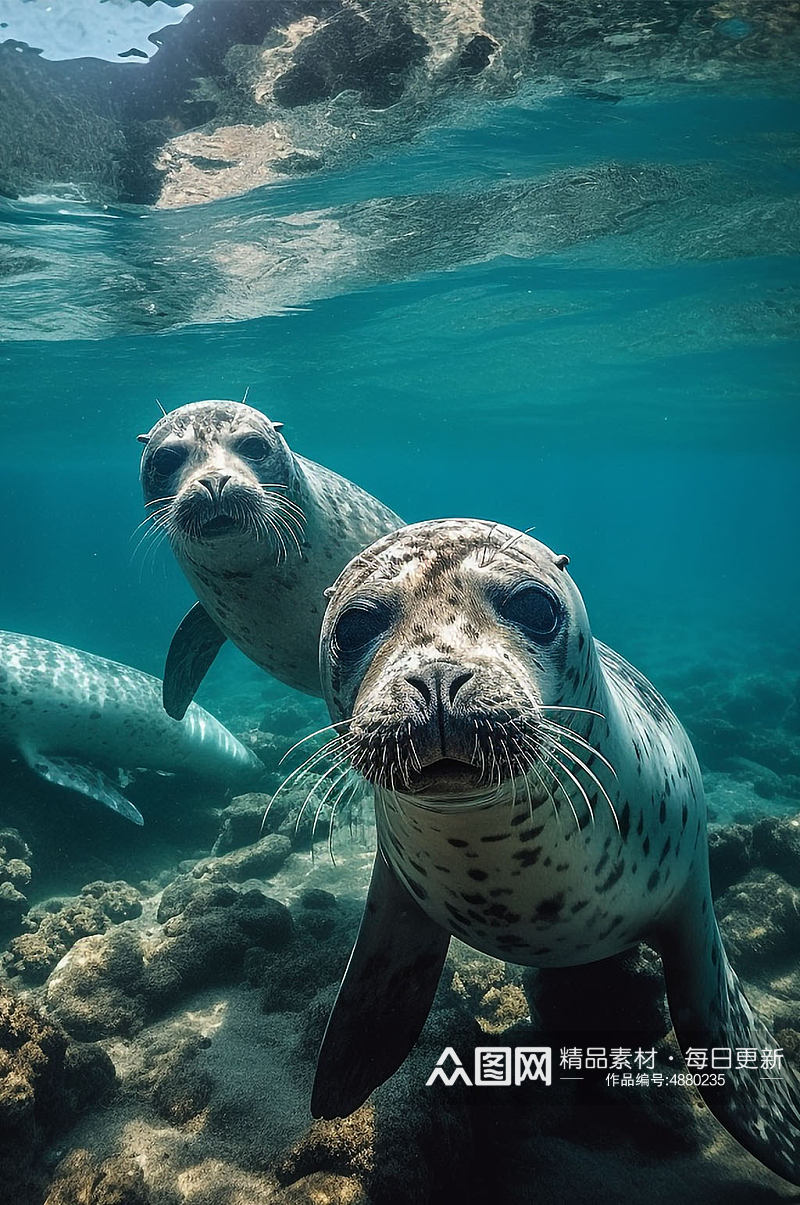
x,y
534,795
220,471
259,532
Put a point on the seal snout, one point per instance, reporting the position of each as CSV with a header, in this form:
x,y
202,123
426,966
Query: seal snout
x,y
439,730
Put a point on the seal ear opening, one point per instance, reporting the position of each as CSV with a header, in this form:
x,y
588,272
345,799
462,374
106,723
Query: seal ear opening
x,y
278,426
143,439
561,561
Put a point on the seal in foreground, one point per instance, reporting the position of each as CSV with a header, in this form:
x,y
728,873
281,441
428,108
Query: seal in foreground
x,y
534,796
259,532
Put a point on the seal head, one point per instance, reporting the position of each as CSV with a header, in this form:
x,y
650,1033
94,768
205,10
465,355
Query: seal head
x,y
217,471
438,680
260,533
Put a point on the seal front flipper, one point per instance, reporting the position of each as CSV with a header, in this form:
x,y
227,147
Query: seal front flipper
x,y
384,999
194,646
760,1107
86,780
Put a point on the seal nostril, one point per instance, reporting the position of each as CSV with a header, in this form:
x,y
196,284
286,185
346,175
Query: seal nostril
x,y
214,485
420,685
458,681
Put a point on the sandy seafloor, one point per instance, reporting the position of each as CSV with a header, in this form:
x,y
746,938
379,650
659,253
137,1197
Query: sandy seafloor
x,y
164,991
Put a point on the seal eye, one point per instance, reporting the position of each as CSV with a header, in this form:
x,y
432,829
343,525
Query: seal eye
x,y
358,626
254,447
166,460
534,609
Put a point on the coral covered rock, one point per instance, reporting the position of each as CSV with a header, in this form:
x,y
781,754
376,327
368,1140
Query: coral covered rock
x,y
776,843
257,861
15,875
241,822
98,988
114,982
55,928
82,1179
760,920
730,855
45,1080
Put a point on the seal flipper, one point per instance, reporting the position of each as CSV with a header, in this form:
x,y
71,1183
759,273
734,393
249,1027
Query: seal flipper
x,y
194,646
385,996
760,1108
86,780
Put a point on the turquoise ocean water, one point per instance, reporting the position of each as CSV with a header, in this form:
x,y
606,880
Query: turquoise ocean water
x,y
572,310
575,313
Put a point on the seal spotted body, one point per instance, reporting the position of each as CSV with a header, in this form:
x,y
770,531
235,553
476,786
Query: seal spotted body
x,y
76,719
259,532
534,795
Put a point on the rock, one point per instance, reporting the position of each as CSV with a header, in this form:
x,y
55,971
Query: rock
x,y
13,905
45,1080
488,991
760,920
241,822
111,983
730,854
82,1179
33,955
316,958
208,943
323,1188
370,51
776,842
15,876
98,989
118,900
254,861
315,897
168,1079
187,893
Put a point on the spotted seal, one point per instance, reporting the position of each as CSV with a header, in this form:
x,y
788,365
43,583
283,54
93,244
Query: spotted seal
x,y
259,532
77,719
534,795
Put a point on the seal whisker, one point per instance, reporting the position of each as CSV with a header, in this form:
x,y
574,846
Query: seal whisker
x,y
329,749
336,782
282,520
545,765
295,523
149,519
328,727
528,792
511,774
514,540
569,753
291,512
156,522
331,770
573,778
276,531
570,733
353,787
583,710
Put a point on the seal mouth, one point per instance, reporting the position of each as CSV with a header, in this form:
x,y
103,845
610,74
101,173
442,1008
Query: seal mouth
x,y
444,777
220,525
